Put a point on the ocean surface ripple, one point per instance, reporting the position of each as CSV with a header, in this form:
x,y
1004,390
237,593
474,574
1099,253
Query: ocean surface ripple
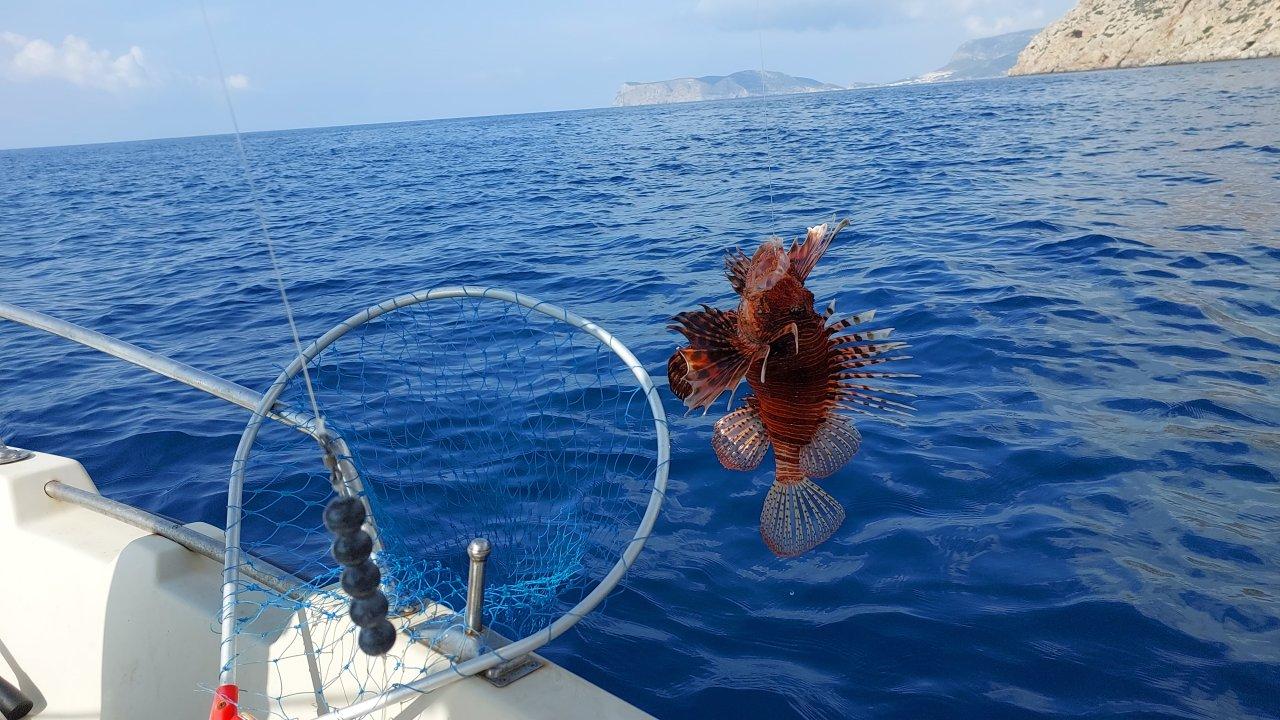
x,y
1081,521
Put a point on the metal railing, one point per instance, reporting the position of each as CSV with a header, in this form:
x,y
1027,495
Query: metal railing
x,y
233,393
260,571
346,479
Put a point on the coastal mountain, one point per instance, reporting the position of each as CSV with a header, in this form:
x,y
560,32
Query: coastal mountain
x,y
1098,34
1095,34
980,58
745,83
987,57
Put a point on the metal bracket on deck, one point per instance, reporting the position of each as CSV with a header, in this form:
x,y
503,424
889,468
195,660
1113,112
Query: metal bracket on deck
x,y
12,454
465,640
446,635
503,674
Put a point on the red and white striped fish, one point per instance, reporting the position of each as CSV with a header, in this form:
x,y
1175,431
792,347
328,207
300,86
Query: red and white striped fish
x,y
804,370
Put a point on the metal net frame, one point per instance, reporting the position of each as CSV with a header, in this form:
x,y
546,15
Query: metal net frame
x,y
452,414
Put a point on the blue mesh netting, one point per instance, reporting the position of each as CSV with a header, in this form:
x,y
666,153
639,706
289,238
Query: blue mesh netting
x,y
465,418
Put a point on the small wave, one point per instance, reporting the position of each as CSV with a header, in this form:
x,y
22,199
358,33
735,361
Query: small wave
x,y
1040,225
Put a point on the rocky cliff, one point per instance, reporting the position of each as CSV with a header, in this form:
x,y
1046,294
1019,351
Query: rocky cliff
x,y
1098,34
746,83
987,57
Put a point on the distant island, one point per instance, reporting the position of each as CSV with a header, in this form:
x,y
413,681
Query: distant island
x,y
976,59
744,83
1098,34
982,58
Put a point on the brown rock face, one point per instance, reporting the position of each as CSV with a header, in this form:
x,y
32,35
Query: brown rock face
x,y
1098,34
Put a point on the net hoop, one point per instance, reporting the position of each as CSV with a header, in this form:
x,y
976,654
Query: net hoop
x,y
529,643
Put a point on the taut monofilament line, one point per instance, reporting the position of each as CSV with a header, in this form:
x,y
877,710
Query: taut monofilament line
x,y
226,697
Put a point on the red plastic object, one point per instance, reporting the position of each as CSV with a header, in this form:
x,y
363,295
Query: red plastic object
x,y
225,701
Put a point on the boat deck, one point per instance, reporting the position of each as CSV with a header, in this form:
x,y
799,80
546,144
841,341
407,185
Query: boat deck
x,y
114,622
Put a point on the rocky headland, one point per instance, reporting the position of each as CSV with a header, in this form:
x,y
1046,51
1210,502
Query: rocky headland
x,y
1098,34
981,58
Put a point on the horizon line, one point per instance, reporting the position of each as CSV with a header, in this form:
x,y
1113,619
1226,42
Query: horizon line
x,y
904,83
870,86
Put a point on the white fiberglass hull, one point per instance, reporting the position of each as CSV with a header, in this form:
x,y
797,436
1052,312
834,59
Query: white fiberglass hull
x,y
103,620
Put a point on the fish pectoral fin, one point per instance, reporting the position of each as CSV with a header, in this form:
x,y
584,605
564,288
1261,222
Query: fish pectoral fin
x,y
836,326
712,363
710,373
678,375
797,517
739,438
834,444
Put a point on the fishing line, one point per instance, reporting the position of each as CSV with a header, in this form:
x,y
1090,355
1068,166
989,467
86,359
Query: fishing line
x,y
769,149
262,220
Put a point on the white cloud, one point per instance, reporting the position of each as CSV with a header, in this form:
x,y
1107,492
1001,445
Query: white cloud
x,y
792,14
75,61
978,17
239,81
980,26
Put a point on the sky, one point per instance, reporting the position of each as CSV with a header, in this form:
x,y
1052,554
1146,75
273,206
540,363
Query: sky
x,y
83,72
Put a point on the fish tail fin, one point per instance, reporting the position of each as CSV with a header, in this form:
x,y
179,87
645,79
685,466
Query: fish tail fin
x,y
797,517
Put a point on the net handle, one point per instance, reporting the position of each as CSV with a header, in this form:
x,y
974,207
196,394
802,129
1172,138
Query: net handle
x,y
531,642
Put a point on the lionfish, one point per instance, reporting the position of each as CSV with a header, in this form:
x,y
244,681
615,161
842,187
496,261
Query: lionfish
x,y
804,369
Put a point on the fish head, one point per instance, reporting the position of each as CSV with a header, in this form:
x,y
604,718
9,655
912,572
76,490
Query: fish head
x,y
769,265
773,297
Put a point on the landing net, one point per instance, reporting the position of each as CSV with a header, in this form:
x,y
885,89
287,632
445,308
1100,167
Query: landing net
x,y
465,417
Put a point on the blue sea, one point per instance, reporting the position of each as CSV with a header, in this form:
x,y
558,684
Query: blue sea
x,y
1081,520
